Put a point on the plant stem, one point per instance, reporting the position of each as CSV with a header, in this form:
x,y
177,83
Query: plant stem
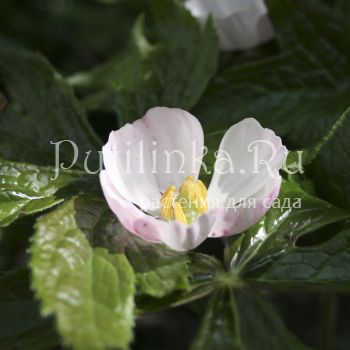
x,y
226,257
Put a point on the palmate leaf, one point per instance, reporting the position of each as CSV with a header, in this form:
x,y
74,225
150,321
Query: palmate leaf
x,y
242,321
27,189
90,292
276,233
173,71
321,267
220,327
266,256
41,108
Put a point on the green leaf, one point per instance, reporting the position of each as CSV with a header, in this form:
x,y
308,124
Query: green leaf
x,y
157,282
299,93
108,85
159,270
205,275
173,71
331,169
40,338
26,189
19,311
281,226
242,321
90,291
258,318
319,267
21,326
41,109
328,163
220,327
307,156
14,242
188,54
73,34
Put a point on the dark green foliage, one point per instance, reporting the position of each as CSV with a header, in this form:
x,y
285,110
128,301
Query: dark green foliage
x,y
89,278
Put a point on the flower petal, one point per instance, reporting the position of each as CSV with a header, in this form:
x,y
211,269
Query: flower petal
x,y
251,157
127,159
241,24
219,9
174,234
236,220
178,140
154,152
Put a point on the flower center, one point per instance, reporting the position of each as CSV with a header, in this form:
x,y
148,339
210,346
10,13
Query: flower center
x,y
190,202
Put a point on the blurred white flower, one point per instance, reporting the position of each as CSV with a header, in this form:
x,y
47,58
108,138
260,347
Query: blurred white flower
x,y
241,24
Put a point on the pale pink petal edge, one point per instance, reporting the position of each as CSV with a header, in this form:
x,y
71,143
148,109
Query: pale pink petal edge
x,y
174,234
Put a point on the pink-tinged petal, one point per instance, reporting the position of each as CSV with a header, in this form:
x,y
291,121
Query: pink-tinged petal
x,y
177,137
128,214
174,234
241,24
236,220
127,159
244,30
251,157
182,237
156,151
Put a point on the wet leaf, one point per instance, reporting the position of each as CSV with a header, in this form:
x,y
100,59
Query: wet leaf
x,y
90,292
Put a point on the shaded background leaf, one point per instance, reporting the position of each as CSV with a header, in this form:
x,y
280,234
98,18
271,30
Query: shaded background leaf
x,y
171,68
21,326
299,88
242,320
41,109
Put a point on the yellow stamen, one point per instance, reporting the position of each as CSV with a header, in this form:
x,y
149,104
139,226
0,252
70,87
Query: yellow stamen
x,y
179,213
203,189
190,202
167,203
204,195
190,191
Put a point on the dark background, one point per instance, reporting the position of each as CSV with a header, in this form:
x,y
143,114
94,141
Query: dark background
x,y
79,34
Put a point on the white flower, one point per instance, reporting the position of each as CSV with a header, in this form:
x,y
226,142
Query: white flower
x,y
241,24
151,181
